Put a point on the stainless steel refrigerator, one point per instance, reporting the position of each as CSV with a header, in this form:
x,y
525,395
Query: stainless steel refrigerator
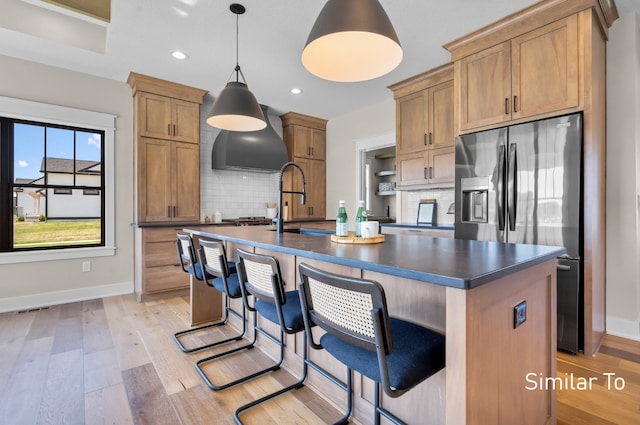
x,y
523,184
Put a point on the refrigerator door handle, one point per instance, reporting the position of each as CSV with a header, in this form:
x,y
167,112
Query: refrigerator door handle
x,y
502,159
511,187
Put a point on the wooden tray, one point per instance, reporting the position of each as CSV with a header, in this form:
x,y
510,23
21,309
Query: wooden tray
x,y
352,238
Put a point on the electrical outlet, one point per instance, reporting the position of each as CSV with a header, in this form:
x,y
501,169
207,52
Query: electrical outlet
x,y
519,314
86,266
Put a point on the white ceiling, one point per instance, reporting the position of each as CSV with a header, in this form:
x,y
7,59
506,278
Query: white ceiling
x,y
142,33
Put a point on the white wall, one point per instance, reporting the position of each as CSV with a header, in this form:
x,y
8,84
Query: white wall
x,y
50,282
623,178
342,134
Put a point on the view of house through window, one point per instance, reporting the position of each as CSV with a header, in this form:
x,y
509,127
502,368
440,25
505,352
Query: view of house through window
x,y
57,185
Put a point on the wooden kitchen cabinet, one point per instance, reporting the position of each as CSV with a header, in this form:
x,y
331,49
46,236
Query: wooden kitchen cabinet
x,y
308,142
170,180
167,177
314,171
528,76
167,118
305,139
167,149
425,129
159,268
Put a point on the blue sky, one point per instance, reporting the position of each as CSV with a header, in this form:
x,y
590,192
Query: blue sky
x,y
29,147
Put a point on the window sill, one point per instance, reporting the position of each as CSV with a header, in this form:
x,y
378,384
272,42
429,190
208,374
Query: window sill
x,y
51,255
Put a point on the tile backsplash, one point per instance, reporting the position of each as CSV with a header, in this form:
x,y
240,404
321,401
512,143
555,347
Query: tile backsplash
x,y
233,193
443,197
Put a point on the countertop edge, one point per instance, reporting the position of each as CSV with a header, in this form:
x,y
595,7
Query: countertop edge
x,y
423,276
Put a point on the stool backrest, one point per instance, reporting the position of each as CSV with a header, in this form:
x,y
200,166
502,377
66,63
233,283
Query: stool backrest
x,y
261,276
186,253
213,258
354,310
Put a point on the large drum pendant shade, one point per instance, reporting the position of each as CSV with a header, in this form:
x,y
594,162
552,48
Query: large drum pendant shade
x,y
352,40
236,109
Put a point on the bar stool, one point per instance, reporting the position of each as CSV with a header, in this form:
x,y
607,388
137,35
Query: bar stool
x,y
261,278
224,279
394,353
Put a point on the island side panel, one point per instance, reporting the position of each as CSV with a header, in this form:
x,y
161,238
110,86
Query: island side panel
x,y
500,357
424,304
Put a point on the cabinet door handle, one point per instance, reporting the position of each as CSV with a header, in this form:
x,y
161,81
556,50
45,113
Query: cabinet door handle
x,y
515,103
168,211
506,106
426,173
174,210
430,139
174,129
168,129
424,139
312,152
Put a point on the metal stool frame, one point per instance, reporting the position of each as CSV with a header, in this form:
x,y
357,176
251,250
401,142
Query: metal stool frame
x,y
190,264
366,325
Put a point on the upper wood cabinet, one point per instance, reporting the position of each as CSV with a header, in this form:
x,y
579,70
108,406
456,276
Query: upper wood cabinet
x,y
167,150
308,142
167,118
425,129
305,139
528,76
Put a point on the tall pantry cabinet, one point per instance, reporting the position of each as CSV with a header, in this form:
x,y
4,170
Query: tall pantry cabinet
x,y
167,177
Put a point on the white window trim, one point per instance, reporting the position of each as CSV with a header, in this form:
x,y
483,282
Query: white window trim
x,y
63,115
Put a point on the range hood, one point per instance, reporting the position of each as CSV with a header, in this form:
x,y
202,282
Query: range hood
x,y
261,150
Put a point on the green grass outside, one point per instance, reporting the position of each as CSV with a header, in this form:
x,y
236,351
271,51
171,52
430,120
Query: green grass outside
x,y
33,234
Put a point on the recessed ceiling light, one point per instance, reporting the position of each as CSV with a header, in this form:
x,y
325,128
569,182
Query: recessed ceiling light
x,y
177,54
295,91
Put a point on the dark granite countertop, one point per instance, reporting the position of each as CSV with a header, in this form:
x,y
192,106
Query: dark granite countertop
x,y
419,226
224,223
457,263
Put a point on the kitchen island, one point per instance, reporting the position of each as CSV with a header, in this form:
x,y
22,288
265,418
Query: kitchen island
x,y
467,290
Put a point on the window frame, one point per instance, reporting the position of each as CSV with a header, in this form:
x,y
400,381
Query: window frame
x,y
27,110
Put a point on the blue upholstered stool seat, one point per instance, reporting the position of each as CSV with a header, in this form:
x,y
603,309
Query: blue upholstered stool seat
x,y
198,270
417,354
232,282
291,311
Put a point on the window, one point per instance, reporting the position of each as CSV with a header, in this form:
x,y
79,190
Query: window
x,y
55,200
60,191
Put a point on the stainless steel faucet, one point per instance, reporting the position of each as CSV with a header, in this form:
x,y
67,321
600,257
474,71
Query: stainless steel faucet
x,y
280,221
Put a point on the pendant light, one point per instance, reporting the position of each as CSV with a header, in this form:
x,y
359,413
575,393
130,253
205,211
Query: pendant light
x,y
235,107
352,40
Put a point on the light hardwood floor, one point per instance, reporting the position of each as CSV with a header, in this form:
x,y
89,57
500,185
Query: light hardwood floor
x,y
113,361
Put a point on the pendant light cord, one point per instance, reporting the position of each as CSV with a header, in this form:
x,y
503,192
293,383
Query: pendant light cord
x,y
237,69
237,49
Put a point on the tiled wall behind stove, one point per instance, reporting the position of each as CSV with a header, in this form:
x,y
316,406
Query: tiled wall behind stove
x,y
233,193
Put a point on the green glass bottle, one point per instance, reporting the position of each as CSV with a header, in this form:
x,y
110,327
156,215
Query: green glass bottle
x,y
342,222
360,217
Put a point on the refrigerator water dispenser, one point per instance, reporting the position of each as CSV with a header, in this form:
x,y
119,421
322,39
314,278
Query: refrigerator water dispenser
x,y
475,200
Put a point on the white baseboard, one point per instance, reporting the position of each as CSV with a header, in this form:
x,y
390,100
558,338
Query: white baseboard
x,y
624,328
27,302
